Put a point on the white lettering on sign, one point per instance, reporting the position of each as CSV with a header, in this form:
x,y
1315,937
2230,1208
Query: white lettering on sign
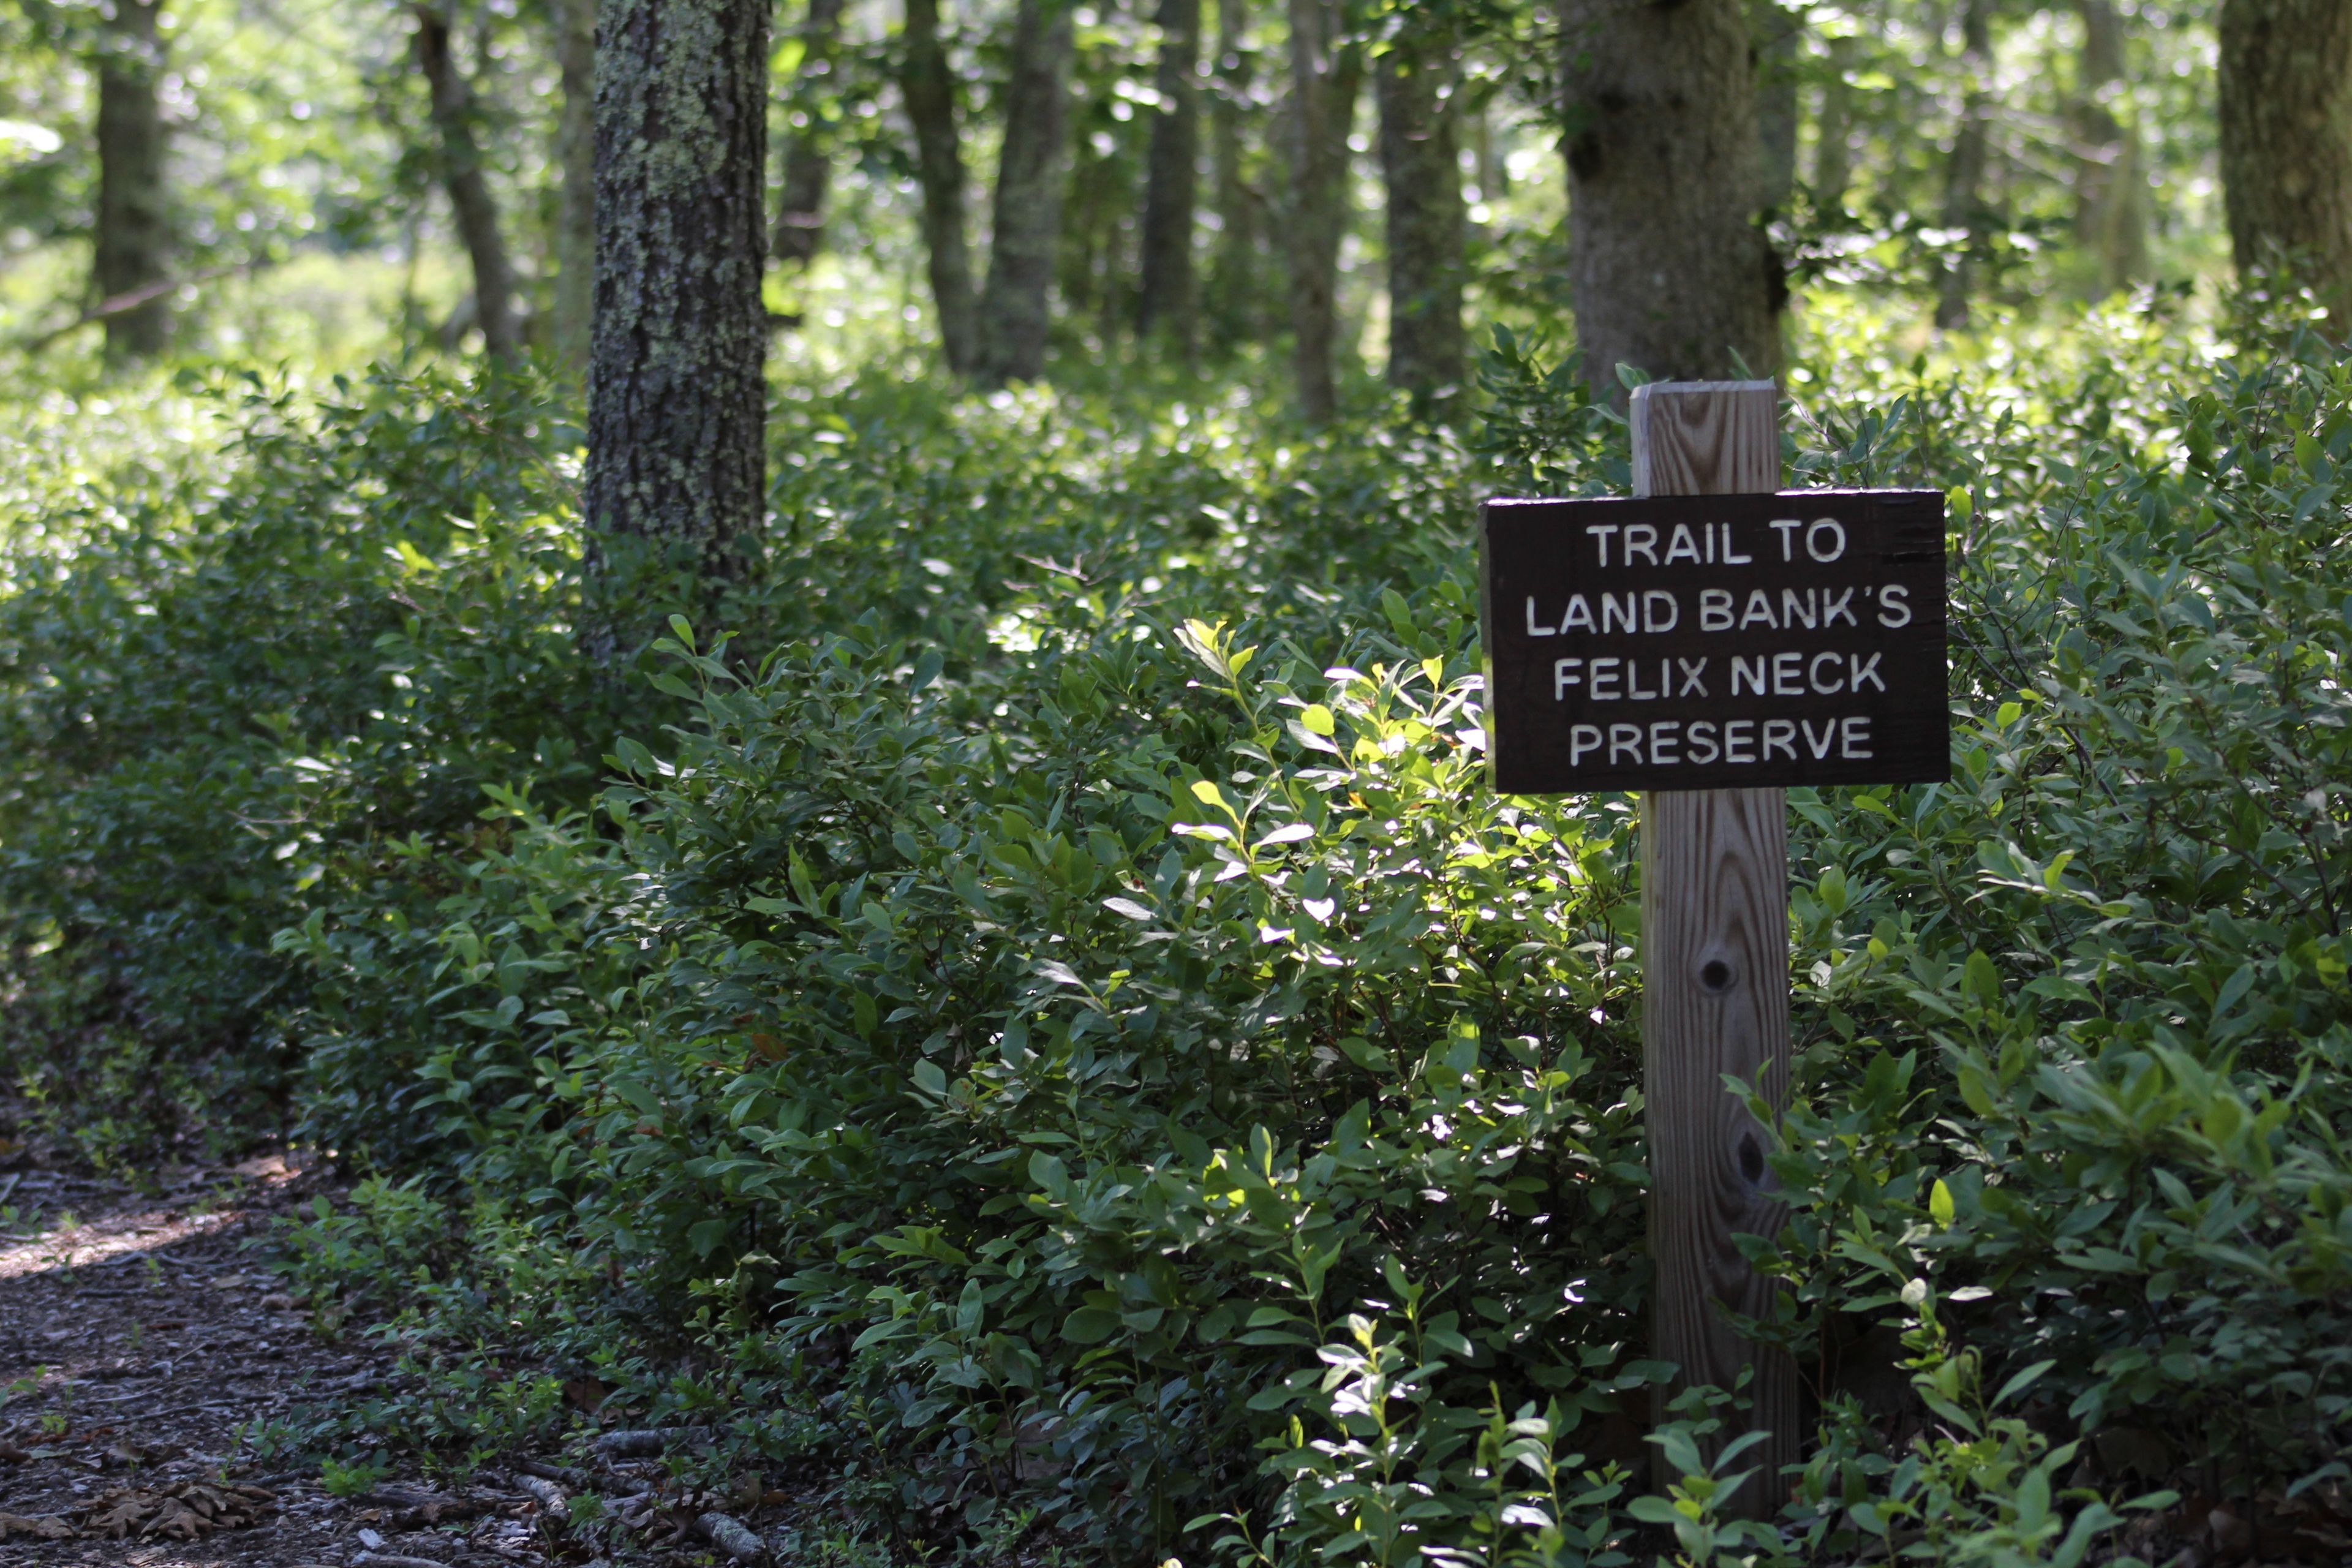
x,y
1784,638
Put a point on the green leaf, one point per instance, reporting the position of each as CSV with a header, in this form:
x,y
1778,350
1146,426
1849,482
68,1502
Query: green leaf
x,y
2022,1381
1980,981
1090,1326
1049,1171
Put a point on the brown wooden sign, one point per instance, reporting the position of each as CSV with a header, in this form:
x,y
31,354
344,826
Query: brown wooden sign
x,y
1715,642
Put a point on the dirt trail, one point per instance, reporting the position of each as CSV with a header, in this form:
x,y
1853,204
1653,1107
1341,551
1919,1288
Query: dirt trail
x,y
137,1335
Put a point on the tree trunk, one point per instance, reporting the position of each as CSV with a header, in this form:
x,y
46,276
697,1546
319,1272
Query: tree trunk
x,y
1325,77
2286,142
2110,188
575,155
1775,32
1166,304
1834,133
1423,174
1668,270
1494,168
1964,207
1236,314
1092,178
929,94
1027,212
677,400
808,157
468,186
133,233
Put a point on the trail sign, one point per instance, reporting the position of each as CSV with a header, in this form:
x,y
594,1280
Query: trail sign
x,y
1710,643
1716,641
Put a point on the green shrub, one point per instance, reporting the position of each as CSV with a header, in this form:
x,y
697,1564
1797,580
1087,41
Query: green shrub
x,y
225,675
1046,1011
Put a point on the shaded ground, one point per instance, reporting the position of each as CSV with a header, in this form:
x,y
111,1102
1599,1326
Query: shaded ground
x,y
138,1335
142,1341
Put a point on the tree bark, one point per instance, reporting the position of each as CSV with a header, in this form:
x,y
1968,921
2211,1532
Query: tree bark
x,y
1834,133
1014,307
1421,170
1236,314
1326,78
134,237
808,157
1165,305
2110,188
2286,142
468,186
1668,270
1776,33
575,155
929,94
1964,208
677,399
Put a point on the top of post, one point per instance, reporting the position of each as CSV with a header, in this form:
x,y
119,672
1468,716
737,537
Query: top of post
x,y
1706,438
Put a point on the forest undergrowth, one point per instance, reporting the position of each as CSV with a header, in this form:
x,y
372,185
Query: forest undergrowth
x,y
1024,1012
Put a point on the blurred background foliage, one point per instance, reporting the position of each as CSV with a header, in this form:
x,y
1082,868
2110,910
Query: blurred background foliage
x,y
308,223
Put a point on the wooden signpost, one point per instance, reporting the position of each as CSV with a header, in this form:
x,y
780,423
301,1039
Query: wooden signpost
x,y
1711,642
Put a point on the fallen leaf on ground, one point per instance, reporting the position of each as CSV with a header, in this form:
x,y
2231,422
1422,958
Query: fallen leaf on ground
x,y
49,1526
184,1511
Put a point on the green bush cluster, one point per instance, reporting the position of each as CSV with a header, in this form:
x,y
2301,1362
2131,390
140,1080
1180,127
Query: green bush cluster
x,y
1036,986
224,674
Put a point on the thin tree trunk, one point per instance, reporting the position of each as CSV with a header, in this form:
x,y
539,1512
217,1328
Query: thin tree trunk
x,y
575,155
1166,302
1325,77
929,94
133,233
1668,270
1423,174
1491,169
1027,212
1776,31
1834,133
468,186
2110,189
808,157
1964,203
677,399
1236,314
1494,167
2286,142
1091,178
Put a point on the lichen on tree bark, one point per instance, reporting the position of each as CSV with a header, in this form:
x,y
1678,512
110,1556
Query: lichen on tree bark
x,y
676,396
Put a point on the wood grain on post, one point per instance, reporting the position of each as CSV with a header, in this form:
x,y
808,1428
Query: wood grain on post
x,y
1715,986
